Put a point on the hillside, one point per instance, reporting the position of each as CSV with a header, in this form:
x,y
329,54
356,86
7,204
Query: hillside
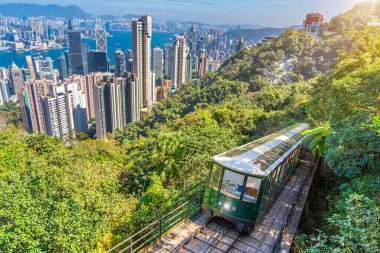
x,y
21,10
87,196
356,18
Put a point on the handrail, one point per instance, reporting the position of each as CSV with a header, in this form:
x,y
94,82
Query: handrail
x,y
153,231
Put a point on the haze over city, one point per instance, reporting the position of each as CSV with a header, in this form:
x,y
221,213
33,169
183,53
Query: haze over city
x,y
273,13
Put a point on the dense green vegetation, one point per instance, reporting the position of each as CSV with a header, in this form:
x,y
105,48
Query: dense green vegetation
x,y
346,106
10,113
356,18
86,196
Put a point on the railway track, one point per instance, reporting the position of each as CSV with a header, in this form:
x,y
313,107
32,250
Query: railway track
x,y
216,236
219,235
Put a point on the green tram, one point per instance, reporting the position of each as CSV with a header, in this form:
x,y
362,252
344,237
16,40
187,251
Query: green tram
x,y
245,181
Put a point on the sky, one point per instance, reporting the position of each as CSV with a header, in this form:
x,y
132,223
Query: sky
x,y
270,13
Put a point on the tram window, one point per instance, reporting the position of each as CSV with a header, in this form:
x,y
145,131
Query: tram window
x,y
252,189
232,184
215,176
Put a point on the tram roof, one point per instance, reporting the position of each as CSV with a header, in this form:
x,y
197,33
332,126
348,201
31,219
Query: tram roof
x,y
257,157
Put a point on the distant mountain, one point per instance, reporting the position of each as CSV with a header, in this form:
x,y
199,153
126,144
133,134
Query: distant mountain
x,y
21,10
131,16
255,34
245,26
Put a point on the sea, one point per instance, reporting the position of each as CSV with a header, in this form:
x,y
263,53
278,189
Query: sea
x,y
118,39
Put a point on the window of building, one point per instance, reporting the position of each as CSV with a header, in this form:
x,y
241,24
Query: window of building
x,y
216,173
252,189
232,184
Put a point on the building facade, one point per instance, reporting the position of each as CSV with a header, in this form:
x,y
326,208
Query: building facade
x,y
178,61
141,47
158,64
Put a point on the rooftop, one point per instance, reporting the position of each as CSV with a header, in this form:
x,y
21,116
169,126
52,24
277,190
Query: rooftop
x,y
256,157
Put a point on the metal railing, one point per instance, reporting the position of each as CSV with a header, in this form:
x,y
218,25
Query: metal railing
x,y
310,168
154,231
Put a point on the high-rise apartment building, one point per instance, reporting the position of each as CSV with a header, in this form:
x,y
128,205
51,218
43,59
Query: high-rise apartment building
x,y
119,62
65,111
58,117
44,68
132,99
178,60
16,78
31,106
141,47
115,104
91,80
4,93
110,106
157,64
79,106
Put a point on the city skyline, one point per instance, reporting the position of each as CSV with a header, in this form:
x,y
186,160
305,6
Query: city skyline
x,y
238,12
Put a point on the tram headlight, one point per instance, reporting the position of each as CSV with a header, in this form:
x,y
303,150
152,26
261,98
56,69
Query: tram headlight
x,y
227,206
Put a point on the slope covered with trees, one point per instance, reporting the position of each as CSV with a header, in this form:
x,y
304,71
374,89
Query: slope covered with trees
x,y
356,18
86,196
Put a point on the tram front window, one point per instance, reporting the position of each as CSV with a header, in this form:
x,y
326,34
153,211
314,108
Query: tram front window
x,y
232,184
216,173
252,188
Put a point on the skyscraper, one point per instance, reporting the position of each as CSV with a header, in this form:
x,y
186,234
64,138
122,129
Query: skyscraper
x,y
157,64
62,67
101,39
76,52
58,115
119,62
141,47
132,99
68,62
167,62
78,106
85,49
202,64
64,110
110,106
16,78
91,79
4,95
129,60
97,61
178,60
192,40
30,102
189,68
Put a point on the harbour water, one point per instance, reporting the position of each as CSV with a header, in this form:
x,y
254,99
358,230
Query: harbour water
x,y
119,39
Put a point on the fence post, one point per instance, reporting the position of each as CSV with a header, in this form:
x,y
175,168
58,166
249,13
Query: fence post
x,y
160,227
130,245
